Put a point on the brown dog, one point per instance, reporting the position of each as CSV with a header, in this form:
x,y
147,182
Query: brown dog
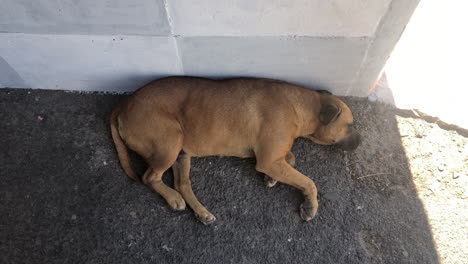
x,y
172,119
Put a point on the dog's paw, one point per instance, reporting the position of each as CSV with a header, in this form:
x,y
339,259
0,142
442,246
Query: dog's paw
x,y
206,218
307,210
177,203
269,182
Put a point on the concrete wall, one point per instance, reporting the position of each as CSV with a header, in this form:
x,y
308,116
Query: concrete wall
x,y
119,45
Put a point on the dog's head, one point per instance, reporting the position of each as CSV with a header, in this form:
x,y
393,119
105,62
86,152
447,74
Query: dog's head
x,y
335,124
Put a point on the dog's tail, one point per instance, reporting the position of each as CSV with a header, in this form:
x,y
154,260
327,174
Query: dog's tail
x,y
121,148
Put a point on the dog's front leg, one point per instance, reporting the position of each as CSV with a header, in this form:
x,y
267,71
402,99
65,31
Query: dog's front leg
x,y
181,171
290,159
281,171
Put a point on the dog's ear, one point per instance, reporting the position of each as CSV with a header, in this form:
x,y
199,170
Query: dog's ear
x,y
324,92
328,113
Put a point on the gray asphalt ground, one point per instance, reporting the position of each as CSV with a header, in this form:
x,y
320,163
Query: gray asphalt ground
x,y
64,198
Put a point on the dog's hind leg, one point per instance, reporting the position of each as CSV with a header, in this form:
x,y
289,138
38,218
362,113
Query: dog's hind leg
x,y
181,171
159,162
290,159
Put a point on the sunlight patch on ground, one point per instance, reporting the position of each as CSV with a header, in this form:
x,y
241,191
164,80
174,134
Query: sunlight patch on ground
x,y
427,68
438,161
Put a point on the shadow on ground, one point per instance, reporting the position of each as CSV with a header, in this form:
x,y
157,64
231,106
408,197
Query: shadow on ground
x,y
64,198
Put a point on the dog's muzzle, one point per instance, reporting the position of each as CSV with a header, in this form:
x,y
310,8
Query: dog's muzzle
x,y
351,142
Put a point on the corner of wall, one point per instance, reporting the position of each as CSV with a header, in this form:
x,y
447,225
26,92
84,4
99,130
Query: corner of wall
x,y
386,35
9,77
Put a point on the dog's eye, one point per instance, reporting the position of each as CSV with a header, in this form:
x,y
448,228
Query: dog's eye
x,y
338,115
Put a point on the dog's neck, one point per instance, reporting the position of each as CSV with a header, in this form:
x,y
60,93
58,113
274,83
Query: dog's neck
x,y
307,110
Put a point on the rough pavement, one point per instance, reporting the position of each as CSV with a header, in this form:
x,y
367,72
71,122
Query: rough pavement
x,y
64,198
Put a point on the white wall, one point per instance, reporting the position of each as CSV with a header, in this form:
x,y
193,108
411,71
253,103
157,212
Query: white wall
x,y
427,69
119,45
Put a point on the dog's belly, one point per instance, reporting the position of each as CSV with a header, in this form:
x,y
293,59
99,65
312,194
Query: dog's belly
x,y
216,147
228,153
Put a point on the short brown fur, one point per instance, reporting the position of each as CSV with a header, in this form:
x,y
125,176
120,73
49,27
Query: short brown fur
x,y
172,119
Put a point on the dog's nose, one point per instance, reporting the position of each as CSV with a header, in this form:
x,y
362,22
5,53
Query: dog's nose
x,y
351,142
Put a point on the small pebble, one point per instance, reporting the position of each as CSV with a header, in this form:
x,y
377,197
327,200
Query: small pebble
x,y
405,253
166,248
289,239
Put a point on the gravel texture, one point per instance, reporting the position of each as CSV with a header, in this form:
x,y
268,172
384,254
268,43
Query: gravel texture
x,y
64,198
